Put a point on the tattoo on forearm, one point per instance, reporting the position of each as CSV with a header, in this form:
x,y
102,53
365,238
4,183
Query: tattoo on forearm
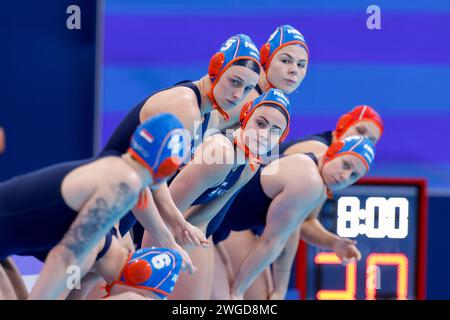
x,y
88,228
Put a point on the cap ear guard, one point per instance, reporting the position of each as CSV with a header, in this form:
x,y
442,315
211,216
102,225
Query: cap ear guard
x,y
334,149
167,168
264,54
244,112
215,64
285,134
343,121
137,272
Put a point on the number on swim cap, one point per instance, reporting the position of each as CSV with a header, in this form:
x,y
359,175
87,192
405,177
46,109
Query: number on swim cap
x,y
228,44
175,145
161,260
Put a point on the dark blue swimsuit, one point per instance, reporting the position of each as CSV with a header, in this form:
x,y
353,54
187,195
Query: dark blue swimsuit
x,y
120,139
247,210
33,214
215,192
324,137
231,179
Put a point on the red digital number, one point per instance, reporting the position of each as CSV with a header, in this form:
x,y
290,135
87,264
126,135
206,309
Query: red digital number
x,y
373,262
387,259
350,278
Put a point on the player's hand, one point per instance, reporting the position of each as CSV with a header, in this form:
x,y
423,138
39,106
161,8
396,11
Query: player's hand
x,y
346,250
189,236
187,265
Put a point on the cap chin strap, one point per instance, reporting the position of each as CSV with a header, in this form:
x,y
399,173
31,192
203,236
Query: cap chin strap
x,y
143,200
108,287
216,106
328,190
329,194
271,86
254,159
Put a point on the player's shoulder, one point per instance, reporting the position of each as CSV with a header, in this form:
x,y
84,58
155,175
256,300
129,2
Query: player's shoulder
x,y
181,93
304,176
299,164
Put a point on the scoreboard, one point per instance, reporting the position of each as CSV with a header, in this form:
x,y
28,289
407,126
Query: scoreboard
x,y
388,219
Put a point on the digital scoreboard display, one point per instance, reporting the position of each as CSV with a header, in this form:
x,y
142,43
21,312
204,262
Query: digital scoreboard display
x,y
388,219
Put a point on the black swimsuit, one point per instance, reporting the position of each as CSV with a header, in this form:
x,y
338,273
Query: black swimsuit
x,y
120,139
247,210
33,214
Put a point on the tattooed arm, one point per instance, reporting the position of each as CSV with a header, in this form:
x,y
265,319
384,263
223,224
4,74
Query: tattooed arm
x,y
83,241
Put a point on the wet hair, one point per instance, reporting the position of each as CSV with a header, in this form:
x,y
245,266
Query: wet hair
x,y
280,109
251,64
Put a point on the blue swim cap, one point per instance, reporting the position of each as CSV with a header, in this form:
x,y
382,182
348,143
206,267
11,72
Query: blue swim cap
x,y
358,146
153,269
160,144
237,48
274,98
283,36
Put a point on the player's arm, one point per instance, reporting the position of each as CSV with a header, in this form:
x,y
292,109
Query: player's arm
x,y
282,266
314,233
184,232
83,239
152,222
208,167
286,211
201,215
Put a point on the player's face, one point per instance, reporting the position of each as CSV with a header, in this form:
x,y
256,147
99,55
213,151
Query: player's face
x,y
234,85
343,171
364,128
264,129
288,68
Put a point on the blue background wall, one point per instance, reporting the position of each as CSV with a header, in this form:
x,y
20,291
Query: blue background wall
x,y
47,88
47,84
403,70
